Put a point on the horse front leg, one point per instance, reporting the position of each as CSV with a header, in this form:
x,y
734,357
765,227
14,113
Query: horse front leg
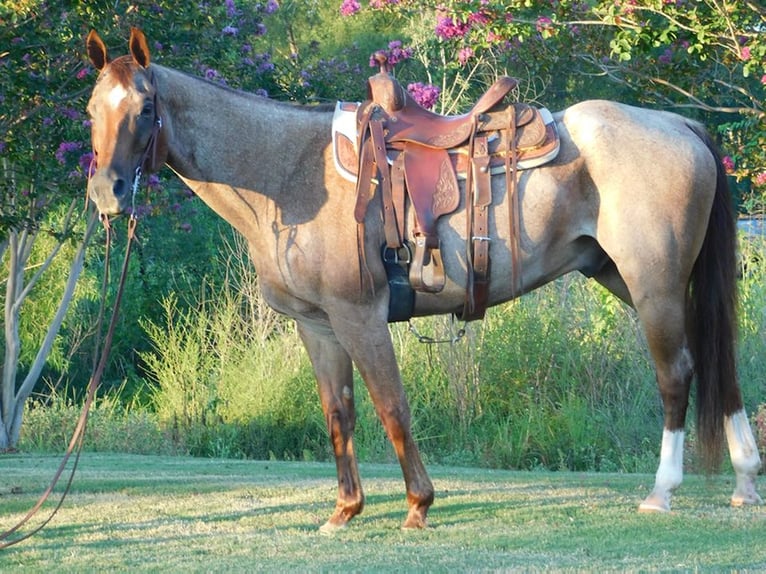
x,y
369,343
334,374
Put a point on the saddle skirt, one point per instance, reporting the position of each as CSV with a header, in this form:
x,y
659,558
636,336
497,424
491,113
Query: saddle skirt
x,y
346,154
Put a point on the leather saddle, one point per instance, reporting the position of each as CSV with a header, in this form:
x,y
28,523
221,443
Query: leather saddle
x,y
408,152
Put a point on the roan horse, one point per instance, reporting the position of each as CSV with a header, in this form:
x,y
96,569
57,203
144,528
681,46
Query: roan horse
x,y
636,199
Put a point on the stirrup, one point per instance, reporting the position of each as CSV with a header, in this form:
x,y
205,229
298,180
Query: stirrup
x,y
427,268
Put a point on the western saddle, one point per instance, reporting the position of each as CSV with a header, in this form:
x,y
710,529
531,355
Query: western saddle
x,y
407,151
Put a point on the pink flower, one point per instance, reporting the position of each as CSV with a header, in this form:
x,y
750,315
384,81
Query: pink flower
x,y
760,179
745,54
544,25
464,55
447,28
350,7
763,79
728,164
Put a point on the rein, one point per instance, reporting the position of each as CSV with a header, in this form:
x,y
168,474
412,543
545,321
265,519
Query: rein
x,y
75,444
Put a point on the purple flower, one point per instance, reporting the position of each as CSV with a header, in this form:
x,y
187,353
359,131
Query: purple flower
x,y
231,9
83,73
87,165
2,146
271,7
666,57
349,7
448,29
425,94
64,148
69,113
230,31
153,181
728,163
396,53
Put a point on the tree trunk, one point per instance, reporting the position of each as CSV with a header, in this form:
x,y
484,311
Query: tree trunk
x,y
13,398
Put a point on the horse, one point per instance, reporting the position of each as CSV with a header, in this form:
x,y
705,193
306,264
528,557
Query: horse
x,y
636,199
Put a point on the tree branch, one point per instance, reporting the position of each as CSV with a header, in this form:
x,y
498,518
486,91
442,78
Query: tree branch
x,y
42,354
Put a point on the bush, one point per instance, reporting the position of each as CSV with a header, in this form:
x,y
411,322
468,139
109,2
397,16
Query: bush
x,y
112,427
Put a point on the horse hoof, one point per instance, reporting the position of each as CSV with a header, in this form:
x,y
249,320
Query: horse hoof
x,y
416,519
748,499
329,528
654,503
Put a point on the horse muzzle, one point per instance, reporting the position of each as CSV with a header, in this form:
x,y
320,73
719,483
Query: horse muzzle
x,y
110,192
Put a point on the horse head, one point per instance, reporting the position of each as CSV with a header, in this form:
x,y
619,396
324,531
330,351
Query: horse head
x,y
126,124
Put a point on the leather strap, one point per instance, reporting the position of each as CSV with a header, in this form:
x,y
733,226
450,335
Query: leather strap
x,y
514,217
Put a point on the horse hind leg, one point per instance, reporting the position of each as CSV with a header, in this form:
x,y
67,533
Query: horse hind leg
x,y
664,327
744,458
334,374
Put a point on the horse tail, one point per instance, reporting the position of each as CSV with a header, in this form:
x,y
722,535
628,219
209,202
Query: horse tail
x,y
712,319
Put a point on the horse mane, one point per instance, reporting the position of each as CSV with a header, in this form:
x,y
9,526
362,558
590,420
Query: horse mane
x,y
122,69
321,107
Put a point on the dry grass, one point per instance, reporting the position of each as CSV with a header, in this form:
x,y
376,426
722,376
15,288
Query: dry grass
x,y
144,514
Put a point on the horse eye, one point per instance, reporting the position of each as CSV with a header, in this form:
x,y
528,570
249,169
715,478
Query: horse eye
x,y
147,110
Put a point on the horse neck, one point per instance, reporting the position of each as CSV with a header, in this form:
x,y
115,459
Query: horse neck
x,y
223,138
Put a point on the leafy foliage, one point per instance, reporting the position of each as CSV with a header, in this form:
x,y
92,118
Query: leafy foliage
x,y
705,58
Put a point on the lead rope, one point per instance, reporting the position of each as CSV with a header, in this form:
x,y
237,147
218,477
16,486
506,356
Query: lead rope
x,y
75,445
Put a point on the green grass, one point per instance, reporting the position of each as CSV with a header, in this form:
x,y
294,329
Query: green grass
x,y
169,514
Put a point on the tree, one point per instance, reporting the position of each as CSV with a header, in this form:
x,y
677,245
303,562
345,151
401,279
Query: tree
x,y
44,83
707,57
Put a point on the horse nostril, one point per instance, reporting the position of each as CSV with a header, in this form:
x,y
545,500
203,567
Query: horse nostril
x,y
119,187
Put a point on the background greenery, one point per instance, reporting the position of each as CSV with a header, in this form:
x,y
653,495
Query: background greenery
x,y
560,379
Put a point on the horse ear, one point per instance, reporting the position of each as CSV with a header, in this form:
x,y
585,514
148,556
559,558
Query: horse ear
x,y
96,50
139,48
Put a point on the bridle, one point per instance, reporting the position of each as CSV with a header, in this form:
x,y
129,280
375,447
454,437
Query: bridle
x,y
151,146
76,443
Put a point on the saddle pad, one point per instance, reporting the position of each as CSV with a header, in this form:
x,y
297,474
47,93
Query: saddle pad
x,y
346,156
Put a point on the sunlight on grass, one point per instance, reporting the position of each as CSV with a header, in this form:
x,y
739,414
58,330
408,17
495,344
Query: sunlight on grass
x,y
144,513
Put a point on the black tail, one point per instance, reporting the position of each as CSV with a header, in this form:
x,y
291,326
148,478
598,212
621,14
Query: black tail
x,y
712,316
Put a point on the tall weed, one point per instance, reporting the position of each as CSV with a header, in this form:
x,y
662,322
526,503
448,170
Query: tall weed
x,y
231,375
49,423
559,379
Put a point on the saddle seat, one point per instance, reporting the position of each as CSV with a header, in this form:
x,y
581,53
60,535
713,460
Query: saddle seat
x,y
408,121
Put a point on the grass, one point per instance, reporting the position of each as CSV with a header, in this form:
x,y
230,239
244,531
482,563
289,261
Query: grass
x,y
150,513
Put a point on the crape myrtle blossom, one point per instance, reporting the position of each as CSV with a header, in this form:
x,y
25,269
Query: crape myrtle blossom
x,y
448,29
425,94
395,53
349,7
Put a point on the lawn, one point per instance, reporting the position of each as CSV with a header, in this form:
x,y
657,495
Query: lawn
x,y
174,514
